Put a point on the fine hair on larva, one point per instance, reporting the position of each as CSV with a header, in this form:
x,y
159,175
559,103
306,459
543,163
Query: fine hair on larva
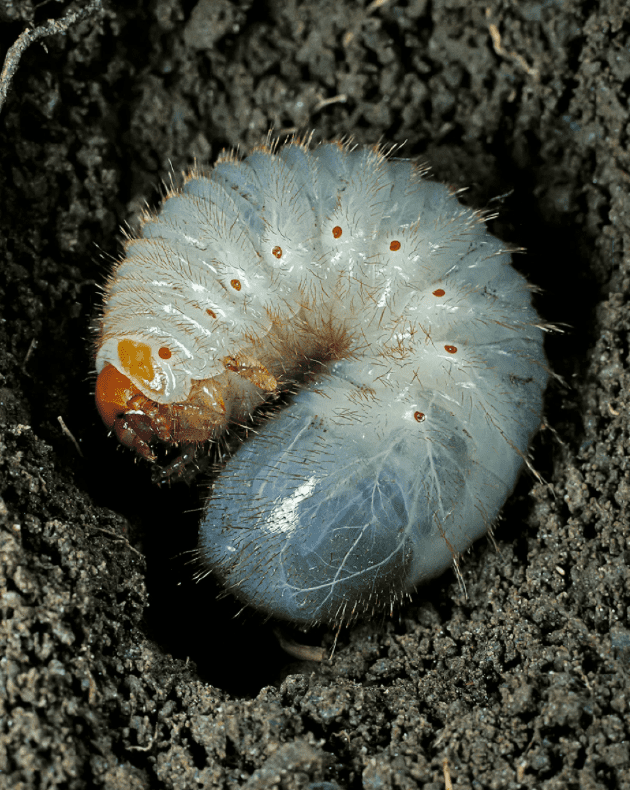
x,y
404,343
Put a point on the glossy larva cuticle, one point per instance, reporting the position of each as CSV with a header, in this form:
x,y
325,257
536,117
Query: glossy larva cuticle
x,y
409,342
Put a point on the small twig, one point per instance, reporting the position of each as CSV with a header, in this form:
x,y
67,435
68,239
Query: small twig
x,y
50,27
374,5
495,35
296,650
69,434
448,784
340,98
149,745
31,348
122,538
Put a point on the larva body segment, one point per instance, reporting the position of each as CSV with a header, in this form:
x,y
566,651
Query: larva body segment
x,y
408,341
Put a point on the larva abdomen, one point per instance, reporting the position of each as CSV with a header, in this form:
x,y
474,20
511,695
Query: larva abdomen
x,y
329,513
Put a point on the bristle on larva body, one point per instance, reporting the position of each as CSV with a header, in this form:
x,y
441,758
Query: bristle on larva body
x,y
407,339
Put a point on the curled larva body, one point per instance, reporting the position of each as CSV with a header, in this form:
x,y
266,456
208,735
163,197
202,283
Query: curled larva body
x,y
408,341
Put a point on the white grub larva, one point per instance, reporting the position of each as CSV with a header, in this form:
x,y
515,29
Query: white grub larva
x,y
407,339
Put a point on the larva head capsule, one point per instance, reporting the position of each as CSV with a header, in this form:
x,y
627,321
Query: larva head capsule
x,y
153,368
142,399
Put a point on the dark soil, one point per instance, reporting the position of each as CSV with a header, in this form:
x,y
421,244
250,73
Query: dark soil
x,y
520,680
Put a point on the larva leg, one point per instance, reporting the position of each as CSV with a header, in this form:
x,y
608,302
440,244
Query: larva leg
x,y
186,464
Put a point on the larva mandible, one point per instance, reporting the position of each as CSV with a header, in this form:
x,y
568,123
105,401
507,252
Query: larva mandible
x,y
410,344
